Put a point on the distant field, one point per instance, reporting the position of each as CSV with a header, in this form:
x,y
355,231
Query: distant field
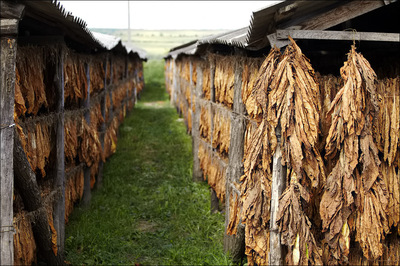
x,y
157,43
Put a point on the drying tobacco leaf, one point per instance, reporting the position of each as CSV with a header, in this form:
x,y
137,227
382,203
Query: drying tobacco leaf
x,y
24,241
295,226
206,83
231,229
221,132
249,77
355,183
294,106
30,63
205,123
71,139
256,183
90,147
224,79
19,102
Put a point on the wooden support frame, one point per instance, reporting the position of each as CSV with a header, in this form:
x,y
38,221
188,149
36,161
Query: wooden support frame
x,y
10,14
338,35
197,172
86,185
59,181
235,244
277,187
99,182
7,84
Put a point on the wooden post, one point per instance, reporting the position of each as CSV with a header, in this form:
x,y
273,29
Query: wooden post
x,y
212,75
86,186
99,182
7,90
214,198
197,172
10,14
59,181
25,182
174,84
109,92
234,244
214,201
278,184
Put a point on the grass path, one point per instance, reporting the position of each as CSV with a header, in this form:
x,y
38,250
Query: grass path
x,y
148,210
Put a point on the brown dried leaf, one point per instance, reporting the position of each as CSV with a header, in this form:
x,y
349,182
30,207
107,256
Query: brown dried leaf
x,y
352,112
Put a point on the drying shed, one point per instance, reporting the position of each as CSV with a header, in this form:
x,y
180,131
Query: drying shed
x,y
64,92
295,127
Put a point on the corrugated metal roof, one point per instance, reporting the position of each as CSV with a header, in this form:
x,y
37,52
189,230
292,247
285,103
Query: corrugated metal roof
x,y
110,42
52,13
236,38
289,14
282,15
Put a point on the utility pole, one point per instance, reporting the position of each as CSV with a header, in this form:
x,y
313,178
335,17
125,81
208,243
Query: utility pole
x,y
129,25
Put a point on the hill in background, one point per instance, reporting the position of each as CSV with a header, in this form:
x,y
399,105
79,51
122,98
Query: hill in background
x,y
157,43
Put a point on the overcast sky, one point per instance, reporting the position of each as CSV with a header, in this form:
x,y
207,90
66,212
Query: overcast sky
x,y
166,14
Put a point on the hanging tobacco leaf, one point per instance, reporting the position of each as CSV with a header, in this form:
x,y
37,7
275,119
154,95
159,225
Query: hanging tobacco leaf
x,y
355,183
294,105
256,184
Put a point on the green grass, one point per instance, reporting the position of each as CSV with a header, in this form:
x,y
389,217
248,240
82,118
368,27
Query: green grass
x,y
148,211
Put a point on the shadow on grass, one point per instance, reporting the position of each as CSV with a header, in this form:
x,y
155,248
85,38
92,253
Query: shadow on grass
x,y
148,210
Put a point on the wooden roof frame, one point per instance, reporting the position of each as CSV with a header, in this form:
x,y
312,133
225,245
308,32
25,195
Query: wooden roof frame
x,y
313,26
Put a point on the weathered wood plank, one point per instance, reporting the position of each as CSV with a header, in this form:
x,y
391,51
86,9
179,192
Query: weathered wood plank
x,y
234,244
59,181
197,172
86,185
99,182
11,10
278,179
338,35
8,26
7,84
25,182
341,14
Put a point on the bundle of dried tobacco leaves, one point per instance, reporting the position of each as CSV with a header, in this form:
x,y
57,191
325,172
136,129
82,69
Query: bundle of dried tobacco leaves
x,y
355,196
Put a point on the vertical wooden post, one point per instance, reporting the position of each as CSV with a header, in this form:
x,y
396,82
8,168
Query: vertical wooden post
x,y
212,76
8,47
10,14
86,186
278,184
175,84
197,172
59,181
214,198
99,182
109,92
234,244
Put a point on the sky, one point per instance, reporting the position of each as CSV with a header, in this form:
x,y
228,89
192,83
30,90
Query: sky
x,y
166,15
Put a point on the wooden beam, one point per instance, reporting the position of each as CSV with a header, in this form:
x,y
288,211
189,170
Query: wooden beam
x,y
8,27
336,16
273,41
86,185
8,50
197,173
99,182
59,181
11,10
278,184
25,181
338,35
